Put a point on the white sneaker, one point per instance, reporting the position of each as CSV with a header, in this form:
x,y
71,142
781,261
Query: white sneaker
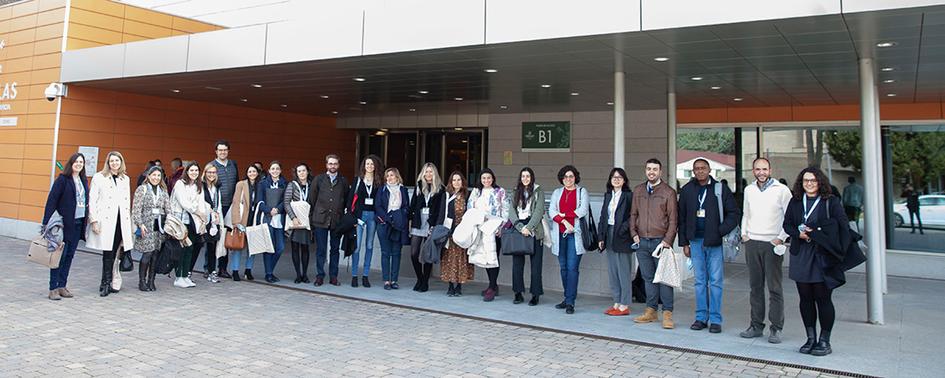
x,y
179,282
213,278
189,283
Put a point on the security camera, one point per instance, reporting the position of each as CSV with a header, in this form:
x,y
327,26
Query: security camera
x,y
55,90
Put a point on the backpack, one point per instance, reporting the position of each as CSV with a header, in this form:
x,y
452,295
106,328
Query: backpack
x,y
731,242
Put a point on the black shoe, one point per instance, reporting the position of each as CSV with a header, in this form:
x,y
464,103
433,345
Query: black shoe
x,y
458,292
305,279
395,286
387,286
822,348
424,287
561,306
236,276
224,274
365,282
112,290
416,286
249,274
275,279
319,281
715,328
533,301
103,290
142,286
811,340
518,298
334,281
449,291
698,325
269,279
298,279
569,309
354,281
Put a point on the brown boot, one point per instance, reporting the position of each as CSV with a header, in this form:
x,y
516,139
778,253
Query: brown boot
x,y
63,292
668,320
54,295
648,316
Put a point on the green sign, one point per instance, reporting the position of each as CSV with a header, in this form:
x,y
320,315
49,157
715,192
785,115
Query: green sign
x,y
546,136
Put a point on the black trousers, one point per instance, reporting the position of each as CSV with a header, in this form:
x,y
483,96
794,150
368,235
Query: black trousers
x,y
421,270
518,271
816,304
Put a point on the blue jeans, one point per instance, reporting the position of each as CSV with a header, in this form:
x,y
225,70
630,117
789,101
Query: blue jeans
x,y
390,255
278,243
59,277
570,263
366,237
236,257
321,240
707,265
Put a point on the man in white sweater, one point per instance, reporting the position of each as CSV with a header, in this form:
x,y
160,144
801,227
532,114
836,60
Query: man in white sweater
x,y
766,200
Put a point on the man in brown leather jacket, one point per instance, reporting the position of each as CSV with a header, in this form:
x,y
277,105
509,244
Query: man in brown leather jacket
x,y
653,223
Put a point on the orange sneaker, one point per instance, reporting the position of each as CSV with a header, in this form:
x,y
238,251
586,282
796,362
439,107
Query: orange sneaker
x,y
610,311
617,312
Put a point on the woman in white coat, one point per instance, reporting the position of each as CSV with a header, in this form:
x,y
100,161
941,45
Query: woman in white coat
x,y
490,198
110,228
568,205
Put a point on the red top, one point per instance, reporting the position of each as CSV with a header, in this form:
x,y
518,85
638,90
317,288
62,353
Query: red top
x,y
566,205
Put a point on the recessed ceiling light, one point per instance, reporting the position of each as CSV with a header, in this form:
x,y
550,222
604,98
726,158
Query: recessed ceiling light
x,y
738,99
243,100
889,81
546,85
458,128
503,107
284,106
423,92
661,59
256,85
490,70
890,95
887,69
696,78
323,96
715,87
175,90
362,102
334,112
214,88
610,102
359,79
575,93
458,98
887,44
413,110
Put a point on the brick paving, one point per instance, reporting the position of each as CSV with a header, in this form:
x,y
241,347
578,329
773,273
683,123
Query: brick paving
x,y
248,329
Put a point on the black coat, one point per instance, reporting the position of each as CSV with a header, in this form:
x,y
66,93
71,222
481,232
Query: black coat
x,y
61,199
622,240
689,204
417,203
832,238
327,201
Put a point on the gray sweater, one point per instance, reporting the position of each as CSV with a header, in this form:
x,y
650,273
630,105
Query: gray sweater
x,y
228,176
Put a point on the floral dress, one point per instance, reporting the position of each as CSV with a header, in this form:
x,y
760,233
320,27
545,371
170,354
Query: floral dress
x,y
454,264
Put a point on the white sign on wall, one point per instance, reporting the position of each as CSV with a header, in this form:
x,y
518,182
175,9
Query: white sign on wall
x,y
7,121
91,159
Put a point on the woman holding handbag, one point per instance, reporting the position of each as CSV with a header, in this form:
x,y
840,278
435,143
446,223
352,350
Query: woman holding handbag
x,y
490,198
213,268
392,201
68,197
188,205
528,210
149,212
454,264
568,205
425,207
110,228
361,201
298,230
242,210
271,193
614,235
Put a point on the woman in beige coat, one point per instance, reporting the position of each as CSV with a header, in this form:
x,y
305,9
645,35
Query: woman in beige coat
x,y
110,229
244,203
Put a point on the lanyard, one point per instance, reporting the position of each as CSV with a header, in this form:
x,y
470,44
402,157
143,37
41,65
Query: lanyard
x,y
705,192
303,194
807,212
274,185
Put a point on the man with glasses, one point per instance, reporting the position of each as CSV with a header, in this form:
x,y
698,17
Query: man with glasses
x,y
327,199
765,203
228,175
701,229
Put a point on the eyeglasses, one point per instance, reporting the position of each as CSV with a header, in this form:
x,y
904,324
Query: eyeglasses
x,y
569,176
810,181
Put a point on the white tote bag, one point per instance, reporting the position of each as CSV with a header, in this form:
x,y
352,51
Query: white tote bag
x,y
671,267
301,210
258,239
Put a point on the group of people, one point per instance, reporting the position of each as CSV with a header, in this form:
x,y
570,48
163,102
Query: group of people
x,y
196,205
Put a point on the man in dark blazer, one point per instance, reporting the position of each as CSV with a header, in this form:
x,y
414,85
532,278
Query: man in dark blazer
x,y
701,229
327,200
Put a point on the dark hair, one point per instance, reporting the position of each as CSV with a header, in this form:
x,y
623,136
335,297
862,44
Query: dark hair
x,y
702,160
274,162
654,161
851,179
158,161
491,173
760,158
223,142
67,171
622,173
176,163
259,165
378,167
462,190
823,183
295,172
151,170
565,169
520,189
258,173
186,178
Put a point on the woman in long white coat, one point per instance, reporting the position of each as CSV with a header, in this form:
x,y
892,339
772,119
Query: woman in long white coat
x,y
110,229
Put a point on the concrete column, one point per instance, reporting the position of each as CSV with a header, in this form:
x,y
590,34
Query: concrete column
x,y
670,166
619,111
873,178
880,187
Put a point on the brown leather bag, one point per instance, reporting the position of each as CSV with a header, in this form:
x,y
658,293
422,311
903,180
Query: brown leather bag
x,y
235,239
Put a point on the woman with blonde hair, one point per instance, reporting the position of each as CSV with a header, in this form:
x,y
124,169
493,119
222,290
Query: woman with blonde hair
x,y
109,219
392,228
425,208
213,267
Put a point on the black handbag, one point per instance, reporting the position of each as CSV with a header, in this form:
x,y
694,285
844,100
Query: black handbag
x,y
589,233
127,264
168,256
514,243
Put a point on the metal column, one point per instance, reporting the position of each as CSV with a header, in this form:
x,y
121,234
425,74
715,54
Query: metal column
x,y
873,178
670,166
619,100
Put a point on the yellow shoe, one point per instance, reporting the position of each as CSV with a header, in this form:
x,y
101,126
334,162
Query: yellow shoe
x,y
668,320
648,316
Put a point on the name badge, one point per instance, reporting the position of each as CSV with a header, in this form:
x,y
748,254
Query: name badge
x,y
425,211
369,201
80,204
700,213
156,211
448,223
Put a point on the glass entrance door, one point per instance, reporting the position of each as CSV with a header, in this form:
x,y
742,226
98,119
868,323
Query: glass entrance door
x,y
407,150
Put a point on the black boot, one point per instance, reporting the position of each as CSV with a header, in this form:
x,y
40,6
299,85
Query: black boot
x,y
236,275
811,340
449,292
822,348
151,274
365,282
248,273
518,298
143,272
108,261
458,291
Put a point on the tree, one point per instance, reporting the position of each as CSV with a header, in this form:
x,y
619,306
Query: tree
x,y
916,157
722,142
815,149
